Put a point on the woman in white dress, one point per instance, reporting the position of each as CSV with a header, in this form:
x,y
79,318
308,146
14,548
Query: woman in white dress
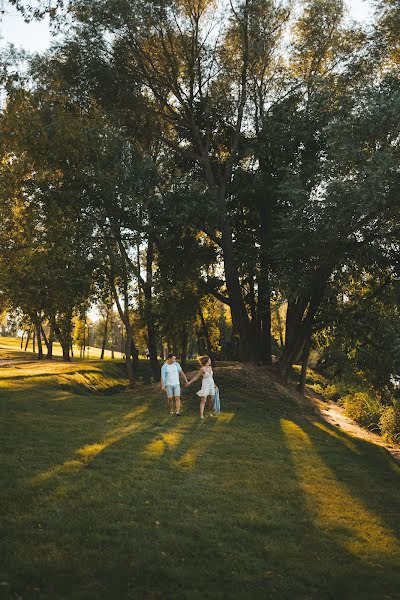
x,y
207,384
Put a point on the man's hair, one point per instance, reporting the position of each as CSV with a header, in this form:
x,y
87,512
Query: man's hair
x,y
171,355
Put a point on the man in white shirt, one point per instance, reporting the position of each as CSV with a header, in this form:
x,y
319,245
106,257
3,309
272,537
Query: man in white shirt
x,y
170,372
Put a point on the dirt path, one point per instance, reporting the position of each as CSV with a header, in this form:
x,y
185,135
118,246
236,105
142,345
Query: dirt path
x,y
334,415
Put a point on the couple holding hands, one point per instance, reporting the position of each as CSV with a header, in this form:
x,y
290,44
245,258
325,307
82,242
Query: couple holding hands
x,y
170,373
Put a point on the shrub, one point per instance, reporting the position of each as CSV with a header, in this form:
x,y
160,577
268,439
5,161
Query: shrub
x,y
389,422
363,408
328,391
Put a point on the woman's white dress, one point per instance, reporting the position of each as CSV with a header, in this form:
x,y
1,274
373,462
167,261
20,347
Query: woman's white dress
x,y
207,385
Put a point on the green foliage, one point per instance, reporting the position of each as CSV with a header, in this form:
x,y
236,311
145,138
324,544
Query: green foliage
x,y
364,408
389,422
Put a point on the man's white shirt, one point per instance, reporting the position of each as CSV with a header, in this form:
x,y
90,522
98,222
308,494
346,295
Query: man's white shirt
x,y
172,377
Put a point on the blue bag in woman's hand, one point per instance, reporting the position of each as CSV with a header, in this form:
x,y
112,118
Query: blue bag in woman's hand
x,y
217,404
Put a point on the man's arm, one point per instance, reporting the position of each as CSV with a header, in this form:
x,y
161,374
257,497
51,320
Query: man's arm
x,y
181,372
163,378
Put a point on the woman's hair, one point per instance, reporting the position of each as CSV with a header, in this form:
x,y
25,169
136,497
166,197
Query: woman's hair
x,y
203,360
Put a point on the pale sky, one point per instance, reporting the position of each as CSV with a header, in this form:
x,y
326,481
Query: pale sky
x,y
35,36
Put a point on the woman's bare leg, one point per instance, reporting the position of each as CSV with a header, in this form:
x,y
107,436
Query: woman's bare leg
x,y
202,405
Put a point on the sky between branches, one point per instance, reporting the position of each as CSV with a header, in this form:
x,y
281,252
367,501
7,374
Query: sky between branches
x,y
35,36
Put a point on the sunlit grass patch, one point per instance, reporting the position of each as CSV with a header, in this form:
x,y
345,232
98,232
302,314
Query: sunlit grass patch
x,y
335,509
344,438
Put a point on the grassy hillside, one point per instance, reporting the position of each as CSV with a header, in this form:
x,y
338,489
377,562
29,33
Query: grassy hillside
x,y
105,496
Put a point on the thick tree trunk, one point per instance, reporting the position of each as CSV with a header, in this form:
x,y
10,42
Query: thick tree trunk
x,y
39,341
34,341
247,342
134,354
299,321
103,346
63,329
66,348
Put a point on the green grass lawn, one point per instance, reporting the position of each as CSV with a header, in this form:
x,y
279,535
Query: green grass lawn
x,y
106,496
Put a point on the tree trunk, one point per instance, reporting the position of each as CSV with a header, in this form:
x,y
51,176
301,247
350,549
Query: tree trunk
x,y
134,353
206,335
39,341
124,316
51,340
84,338
22,339
149,313
63,329
34,341
44,337
152,347
66,348
112,332
264,298
278,316
240,319
299,326
28,340
200,345
304,363
184,343
130,369
103,346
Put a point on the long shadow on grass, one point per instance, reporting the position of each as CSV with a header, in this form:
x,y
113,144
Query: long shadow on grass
x,y
368,549
49,374
378,472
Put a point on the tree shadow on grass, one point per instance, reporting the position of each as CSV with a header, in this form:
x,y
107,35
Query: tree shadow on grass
x,y
363,533
48,375
378,473
160,507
